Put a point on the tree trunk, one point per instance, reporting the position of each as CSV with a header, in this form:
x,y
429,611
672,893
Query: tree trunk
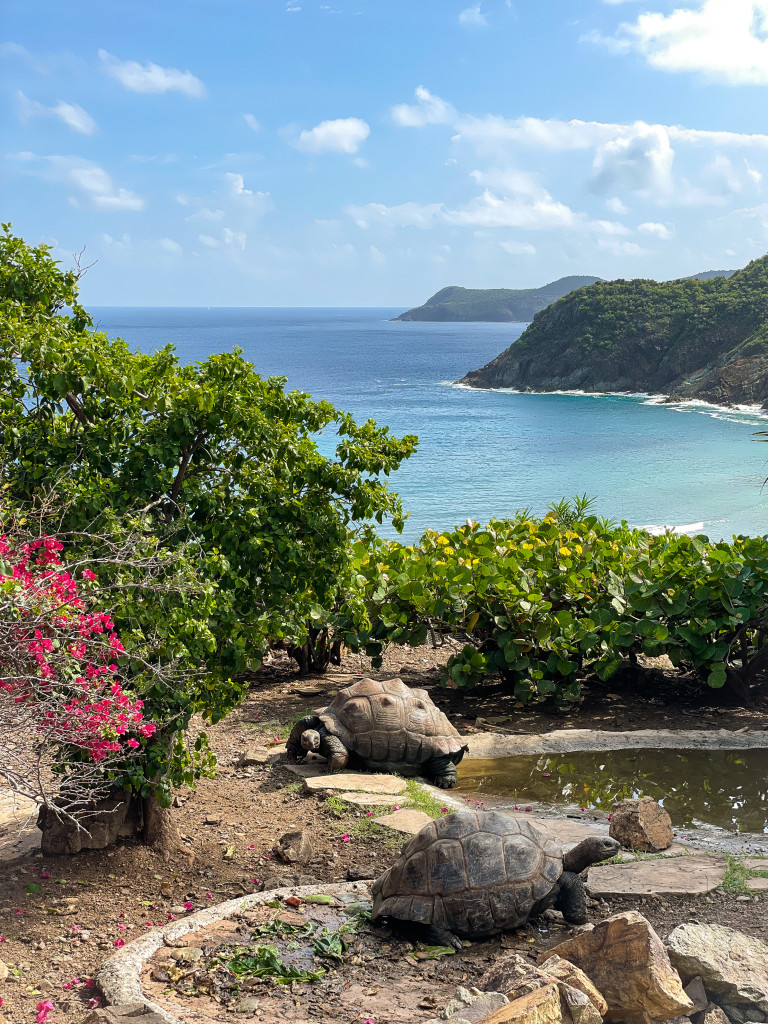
x,y
161,832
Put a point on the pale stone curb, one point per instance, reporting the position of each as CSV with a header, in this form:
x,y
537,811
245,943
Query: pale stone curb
x,y
119,978
489,744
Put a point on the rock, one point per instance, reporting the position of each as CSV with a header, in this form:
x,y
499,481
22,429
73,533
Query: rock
x,y
344,781
732,966
564,971
294,848
697,994
187,954
541,1006
463,997
248,1005
675,876
641,825
4,972
123,1012
757,884
357,873
713,1014
626,961
580,1003
408,821
252,756
370,799
107,820
472,1005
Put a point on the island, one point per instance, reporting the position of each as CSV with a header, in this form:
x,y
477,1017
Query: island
x,y
494,305
703,338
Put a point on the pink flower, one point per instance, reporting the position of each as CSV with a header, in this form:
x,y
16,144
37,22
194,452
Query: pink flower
x,y
122,927
132,743
18,910
396,807
89,983
346,838
3,938
88,574
171,917
77,927
209,895
528,808
609,817
515,808
45,874
93,1003
118,943
252,846
582,808
443,810
255,881
546,775
43,1009
479,803
188,905
369,814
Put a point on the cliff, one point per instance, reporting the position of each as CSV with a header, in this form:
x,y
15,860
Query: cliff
x,y
705,339
493,304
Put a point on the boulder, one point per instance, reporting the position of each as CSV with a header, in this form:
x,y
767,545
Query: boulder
x,y
542,1006
106,821
580,1002
641,825
625,960
294,848
732,966
471,1005
713,1014
696,992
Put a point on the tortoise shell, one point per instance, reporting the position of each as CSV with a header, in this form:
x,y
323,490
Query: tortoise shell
x,y
387,722
475,873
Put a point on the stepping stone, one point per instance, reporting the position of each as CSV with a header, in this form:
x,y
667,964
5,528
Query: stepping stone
x,y
757,884
675,850
345,781
756,863
408,821
370,799
564,831
677,876
19,834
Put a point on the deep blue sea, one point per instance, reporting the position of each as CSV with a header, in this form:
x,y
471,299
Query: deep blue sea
x,y
486,453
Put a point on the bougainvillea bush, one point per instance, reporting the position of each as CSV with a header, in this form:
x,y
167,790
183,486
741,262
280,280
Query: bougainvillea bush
x,y
68,724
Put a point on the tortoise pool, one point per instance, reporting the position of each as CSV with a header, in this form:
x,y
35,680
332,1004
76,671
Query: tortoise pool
x,y
724,788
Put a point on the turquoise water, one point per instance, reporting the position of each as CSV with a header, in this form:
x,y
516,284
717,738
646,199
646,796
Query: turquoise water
x,y
486,453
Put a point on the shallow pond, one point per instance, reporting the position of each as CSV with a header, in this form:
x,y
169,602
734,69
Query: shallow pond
x,y
725,788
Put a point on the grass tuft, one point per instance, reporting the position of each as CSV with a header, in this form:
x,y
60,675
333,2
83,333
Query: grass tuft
x,y
737,876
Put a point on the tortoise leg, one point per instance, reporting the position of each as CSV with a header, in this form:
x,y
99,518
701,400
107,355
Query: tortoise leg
x,y
333,750
571,898
441,771
293,745
434,936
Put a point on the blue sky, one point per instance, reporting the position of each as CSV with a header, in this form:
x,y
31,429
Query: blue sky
x,y
362,152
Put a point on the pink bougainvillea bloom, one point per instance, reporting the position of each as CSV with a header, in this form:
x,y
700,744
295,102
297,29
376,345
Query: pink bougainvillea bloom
x,y
252,846
45,874
443,810
2,938
528,808
18,910
582,808
88,574
118,943
610,817
209,895
467,799
255,881
515,808
188,905
479,803
171,917
43,1009
77,927
346,838
545,774
396,807
369,814
89,982
93,1003
1,1000
122,927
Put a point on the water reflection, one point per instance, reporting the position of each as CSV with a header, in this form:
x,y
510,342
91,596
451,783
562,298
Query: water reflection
x,y
726,788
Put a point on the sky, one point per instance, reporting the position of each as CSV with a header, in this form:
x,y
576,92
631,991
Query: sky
x,y
370,152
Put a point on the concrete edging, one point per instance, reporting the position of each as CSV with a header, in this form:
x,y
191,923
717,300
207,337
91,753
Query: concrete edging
x,y
567,741
119,977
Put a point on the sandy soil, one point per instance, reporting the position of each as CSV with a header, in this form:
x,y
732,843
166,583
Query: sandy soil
x,y
89,902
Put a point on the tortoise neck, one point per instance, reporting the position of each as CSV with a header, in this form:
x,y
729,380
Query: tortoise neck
x,y
578,859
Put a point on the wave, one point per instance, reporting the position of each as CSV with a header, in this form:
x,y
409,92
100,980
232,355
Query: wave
x,y
657,531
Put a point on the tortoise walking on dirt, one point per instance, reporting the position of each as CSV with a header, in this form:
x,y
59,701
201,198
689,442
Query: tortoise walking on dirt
x,y
384,726
477,873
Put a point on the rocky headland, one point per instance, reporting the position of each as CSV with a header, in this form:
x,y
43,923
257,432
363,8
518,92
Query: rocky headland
x,y
493,305
688,339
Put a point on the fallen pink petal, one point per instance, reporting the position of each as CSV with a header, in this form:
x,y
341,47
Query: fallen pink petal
x,y
346,838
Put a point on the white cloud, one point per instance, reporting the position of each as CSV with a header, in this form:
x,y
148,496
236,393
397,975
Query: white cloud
x,y
343,135
616,248
428,109
662,231
377,256
725,40
252,123
97,186
236,184
209,241
403,216
170,246
205,214
151,78
615,205
473,17
235,238
72,115
518,248
641,162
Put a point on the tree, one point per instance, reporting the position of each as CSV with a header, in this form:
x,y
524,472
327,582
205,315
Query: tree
x,y
215,463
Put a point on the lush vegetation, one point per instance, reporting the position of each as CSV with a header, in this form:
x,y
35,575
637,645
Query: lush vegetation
x,y
542,602
494,304
648,336
210,463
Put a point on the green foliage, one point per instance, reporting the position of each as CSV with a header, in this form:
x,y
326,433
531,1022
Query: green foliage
x,y
494,304
265,962
217,465
542,602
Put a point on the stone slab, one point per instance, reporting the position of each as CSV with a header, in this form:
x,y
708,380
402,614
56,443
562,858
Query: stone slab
x,y
409,821
757,884
677,876
756,863
19,834
357,781
675,850
371,799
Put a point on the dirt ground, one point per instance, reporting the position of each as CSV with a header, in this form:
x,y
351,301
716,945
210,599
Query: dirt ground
x,y
54,940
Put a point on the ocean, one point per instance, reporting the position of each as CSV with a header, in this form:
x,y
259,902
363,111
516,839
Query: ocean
x,y
486,453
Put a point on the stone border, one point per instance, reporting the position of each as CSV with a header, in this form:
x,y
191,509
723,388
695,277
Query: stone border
x,y
119,977
567,741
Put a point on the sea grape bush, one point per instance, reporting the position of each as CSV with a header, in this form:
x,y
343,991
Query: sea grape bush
x,y
63,707
545,601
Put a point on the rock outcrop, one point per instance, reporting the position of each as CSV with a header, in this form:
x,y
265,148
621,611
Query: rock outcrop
x,y
641,825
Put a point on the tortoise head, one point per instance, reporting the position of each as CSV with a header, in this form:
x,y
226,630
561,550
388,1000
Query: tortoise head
x,y
590,851
310,739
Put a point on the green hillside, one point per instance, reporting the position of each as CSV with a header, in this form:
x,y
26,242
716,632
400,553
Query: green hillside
x,y
689,338
493,304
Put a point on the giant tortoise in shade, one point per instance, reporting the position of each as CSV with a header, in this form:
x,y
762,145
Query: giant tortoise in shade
x,y
384,726
474,874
